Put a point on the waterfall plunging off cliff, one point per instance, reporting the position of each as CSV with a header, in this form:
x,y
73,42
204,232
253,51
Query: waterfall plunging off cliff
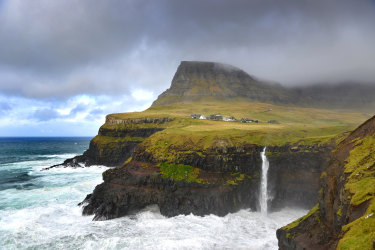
x,y
263,196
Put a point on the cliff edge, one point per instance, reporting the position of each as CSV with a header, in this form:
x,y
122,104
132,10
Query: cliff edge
x,y
344,217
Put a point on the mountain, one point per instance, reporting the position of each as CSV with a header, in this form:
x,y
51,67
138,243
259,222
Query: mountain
x,y
197,81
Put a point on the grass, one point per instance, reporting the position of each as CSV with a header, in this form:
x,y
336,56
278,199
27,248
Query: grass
x,y
360,234
236,178
361,167
295,223
181,172
296,125
178,172
240,108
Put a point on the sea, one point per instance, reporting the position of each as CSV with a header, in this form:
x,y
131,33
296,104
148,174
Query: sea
x,y
38,209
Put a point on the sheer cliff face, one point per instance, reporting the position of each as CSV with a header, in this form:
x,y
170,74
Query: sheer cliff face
x,y
211,181
345,214
195,80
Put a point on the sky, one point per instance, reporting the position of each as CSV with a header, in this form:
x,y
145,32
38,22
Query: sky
x,y
64,65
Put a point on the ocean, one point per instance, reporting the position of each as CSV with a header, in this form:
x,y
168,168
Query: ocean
x,y
38,209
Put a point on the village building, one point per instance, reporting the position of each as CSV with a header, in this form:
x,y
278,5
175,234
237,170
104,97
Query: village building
x,y
195,116
215,117
229,119
246,120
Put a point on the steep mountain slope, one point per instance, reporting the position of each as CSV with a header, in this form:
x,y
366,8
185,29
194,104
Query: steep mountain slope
x,y
197,81
345,214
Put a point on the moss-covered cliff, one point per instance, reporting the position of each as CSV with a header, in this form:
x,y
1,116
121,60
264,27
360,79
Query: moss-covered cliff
x,y
344,217
202,167
219,178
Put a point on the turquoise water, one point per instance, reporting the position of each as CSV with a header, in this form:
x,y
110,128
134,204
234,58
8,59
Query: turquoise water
x,y
38,209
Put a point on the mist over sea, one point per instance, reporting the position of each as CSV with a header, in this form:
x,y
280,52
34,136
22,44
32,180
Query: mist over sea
x,y
38,209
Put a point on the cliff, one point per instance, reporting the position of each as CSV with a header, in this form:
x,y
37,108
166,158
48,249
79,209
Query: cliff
x,y
116,141
162,156
344,217
216,180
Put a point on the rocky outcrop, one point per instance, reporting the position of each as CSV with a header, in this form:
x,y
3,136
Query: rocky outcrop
x,y
344,216
111,120
137,185
227,180
116,141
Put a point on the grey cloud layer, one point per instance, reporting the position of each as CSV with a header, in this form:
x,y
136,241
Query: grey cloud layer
x,y
64,48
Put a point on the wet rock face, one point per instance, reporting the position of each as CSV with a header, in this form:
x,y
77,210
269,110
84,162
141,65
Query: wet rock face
x,y
294,175
140,183
135,186
343,214
244,159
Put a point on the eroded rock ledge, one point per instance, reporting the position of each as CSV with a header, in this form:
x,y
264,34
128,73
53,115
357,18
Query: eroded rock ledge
x,y
116,141
216,180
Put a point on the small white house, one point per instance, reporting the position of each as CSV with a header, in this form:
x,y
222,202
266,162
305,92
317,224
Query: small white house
x,y
229,119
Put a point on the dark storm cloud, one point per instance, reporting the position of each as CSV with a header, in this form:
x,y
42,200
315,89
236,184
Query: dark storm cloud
x,y
65,48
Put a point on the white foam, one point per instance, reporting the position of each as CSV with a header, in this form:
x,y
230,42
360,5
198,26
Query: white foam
x,y
49,218
61,156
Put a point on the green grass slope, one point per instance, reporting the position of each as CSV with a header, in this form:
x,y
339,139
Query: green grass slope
x,y
294,125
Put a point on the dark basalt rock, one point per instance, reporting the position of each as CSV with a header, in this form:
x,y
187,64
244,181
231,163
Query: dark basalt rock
x,y
294,175
95,155
294,180
134,187
115,155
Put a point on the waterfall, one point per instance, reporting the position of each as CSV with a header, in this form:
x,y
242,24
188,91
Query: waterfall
x,y
263,196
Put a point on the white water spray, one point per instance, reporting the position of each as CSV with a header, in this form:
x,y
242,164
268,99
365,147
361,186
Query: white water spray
x,y
263,197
